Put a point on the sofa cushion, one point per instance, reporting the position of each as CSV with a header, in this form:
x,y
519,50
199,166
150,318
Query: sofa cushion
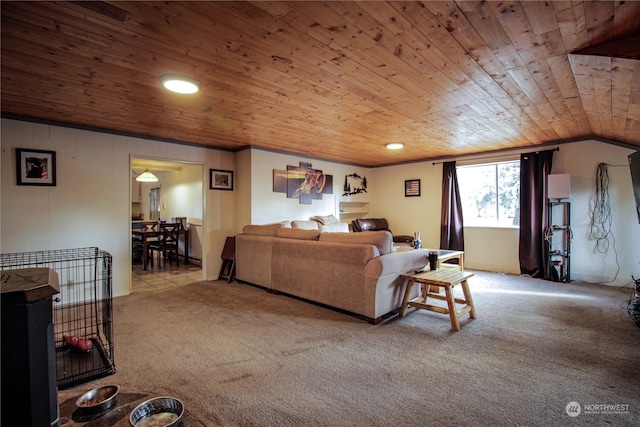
x,y
296,233
338,227
261,230
304,225
326,219
381,239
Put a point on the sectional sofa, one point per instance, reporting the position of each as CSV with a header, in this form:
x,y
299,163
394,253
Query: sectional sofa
x,y
355,272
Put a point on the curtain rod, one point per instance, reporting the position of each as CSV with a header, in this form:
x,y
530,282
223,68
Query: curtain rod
x,y
489,157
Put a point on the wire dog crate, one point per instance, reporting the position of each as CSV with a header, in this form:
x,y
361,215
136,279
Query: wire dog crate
x,y
82,311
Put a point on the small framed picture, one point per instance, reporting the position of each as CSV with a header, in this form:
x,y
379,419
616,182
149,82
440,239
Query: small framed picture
x,y
35,167
412,188
220,179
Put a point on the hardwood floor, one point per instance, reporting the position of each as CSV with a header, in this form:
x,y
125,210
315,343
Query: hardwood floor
x,y
164,277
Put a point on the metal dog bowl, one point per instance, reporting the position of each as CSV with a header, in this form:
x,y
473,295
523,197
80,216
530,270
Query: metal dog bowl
x,y
98,399
157,412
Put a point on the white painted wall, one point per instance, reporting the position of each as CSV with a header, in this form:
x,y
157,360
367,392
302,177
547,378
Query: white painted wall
x,y
497,249
580,160
192,206
407,215
180,192
91,202
243,182
267,206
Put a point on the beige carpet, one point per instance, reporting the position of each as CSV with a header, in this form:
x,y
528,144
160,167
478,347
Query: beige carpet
x,y
239,356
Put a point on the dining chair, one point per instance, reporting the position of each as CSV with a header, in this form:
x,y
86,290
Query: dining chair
x,y
137,249
149,225
182,220
167,243
136,243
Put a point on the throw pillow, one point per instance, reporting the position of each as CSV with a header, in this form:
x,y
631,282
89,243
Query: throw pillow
x,y
325,220
305,225
338,227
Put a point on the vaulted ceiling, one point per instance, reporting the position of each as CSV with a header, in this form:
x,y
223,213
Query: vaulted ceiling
x,y
333,80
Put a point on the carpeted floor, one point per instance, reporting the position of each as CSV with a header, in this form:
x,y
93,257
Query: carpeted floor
x,y
239,356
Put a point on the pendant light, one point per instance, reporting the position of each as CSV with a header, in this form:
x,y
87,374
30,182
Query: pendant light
x,y
147,176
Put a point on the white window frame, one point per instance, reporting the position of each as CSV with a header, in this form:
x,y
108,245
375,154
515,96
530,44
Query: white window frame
x,y
488,224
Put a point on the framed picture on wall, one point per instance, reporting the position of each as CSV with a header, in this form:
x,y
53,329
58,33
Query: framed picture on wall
x,y
220,179
412,188
35,167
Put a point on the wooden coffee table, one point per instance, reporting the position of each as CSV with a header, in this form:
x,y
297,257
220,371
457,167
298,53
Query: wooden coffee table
x,y
447,254
442,277
443,255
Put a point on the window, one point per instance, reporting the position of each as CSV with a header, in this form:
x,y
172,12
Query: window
x,y
490,194
154,204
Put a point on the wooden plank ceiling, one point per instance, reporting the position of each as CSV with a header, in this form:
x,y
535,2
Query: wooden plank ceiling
x,y
332,80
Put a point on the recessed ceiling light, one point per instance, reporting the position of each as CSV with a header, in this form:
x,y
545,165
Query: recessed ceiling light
x,y
179,84
394,145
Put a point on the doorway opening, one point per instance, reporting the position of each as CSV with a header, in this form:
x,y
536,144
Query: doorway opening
x,y
177,196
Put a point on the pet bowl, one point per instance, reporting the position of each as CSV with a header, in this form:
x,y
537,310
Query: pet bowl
x,y
157,412
98,399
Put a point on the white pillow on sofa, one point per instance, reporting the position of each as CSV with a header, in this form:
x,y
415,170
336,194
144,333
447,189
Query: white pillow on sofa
x,y
304,225
337,227
325,220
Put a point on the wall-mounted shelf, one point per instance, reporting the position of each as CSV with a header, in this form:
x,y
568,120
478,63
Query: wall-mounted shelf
x,y
349,211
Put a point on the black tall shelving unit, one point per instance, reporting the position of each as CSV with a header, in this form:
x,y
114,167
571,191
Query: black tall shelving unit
x,y
558,237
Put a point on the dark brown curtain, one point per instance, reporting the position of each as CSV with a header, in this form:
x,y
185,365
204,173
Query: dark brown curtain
x,y
534,169
451,231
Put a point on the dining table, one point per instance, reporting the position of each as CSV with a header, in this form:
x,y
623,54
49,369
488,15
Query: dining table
x,y
149,235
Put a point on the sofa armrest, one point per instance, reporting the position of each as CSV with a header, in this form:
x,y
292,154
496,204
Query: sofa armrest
x,y
384,288
396,263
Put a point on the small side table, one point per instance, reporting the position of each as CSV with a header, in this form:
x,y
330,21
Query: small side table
x,y
442,277
228,269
